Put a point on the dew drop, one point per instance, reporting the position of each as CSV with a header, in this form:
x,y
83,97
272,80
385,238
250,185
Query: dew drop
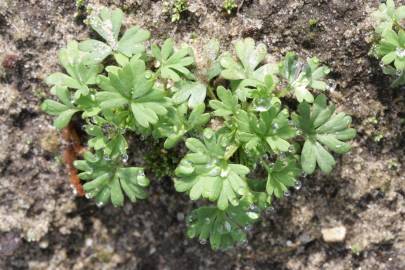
x,y
254,208
241,190
224,172
125,158
190,219
212,163
214,172
262,104
208,134
243,243
234,201
298,185
287,194
100,204
332,85
74,190
275,126
400,52
227,226
253,215
270,210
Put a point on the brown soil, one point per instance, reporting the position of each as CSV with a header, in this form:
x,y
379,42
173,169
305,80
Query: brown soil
x,y
43,225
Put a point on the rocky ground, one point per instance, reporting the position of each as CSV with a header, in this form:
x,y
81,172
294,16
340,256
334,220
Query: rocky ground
x,y
43,225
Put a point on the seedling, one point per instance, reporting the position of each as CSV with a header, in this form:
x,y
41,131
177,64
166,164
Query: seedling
x,y
255,152
390,40
175,8
229,6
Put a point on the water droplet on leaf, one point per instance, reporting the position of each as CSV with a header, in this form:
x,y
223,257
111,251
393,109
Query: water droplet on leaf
x,y
224,172
262,104
253,215
400,52
227,226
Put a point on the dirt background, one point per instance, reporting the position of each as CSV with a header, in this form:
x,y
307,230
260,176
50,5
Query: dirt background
x,y
43,225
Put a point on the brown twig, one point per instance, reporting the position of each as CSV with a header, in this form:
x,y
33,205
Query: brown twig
x,y
71,151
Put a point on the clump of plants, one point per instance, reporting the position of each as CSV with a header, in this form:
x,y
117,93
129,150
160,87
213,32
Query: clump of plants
x,y
389,47
175,8
251,128
229,6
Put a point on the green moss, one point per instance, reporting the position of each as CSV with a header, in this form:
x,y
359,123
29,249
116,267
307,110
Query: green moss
x,y
161,162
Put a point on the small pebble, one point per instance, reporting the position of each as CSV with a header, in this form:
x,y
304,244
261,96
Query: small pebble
x,y
334,235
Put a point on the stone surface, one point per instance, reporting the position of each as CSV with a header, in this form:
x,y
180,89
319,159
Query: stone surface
x,y
334,235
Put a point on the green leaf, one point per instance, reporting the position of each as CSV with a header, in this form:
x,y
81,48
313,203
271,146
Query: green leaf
x,y
52,107
268,133
228,104
107,180
323,127
301,76
80,72
173,64
223,229
247,72
63,118
107,23
194,92
64,112
205,172
129,86
97,50
175,124
132,42
281,175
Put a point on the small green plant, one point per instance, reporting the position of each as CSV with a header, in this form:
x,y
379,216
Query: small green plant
x,y
80,3
175,8
257,150
390,40
356,249
313,23
229,6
